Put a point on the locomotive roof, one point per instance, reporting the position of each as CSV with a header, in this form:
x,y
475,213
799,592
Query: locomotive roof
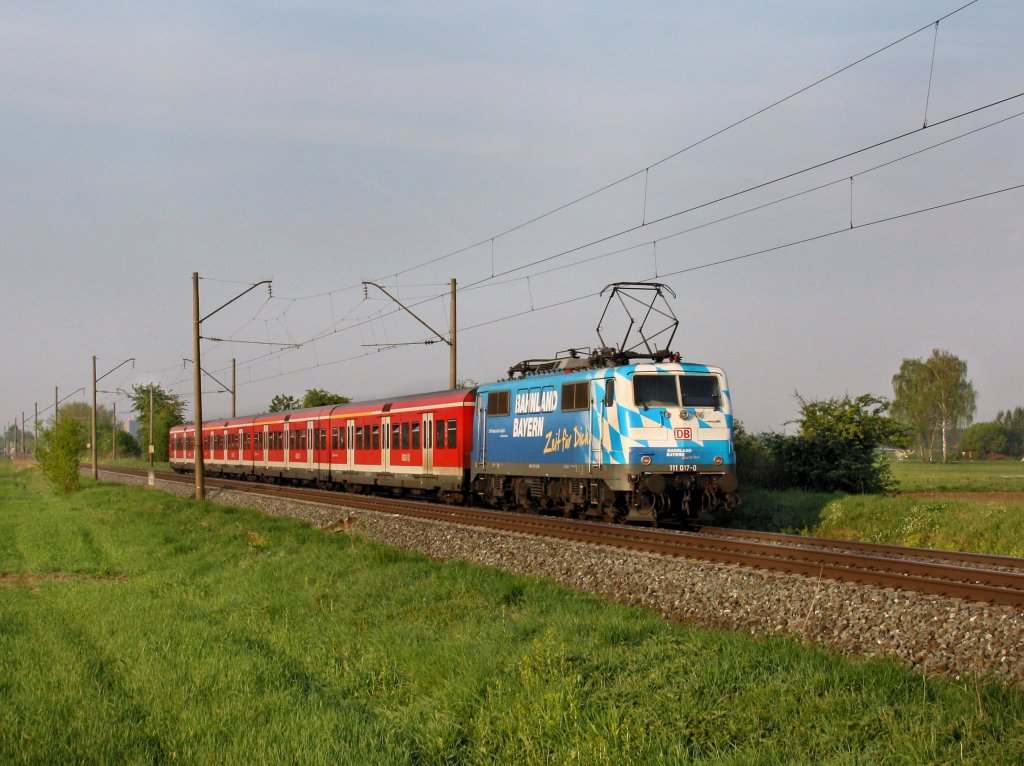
x,y
589,373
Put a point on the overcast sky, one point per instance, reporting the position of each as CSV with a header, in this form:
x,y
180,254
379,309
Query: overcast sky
x,y
321,144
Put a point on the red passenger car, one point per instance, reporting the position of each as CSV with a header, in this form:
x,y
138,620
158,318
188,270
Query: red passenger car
x,y
417,443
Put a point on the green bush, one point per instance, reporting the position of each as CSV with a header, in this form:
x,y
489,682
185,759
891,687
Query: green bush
x,y
60,450
835,451
983,439
757,464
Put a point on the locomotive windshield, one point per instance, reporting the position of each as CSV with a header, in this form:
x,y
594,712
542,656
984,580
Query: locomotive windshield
x,y
655,391
700,391
675,391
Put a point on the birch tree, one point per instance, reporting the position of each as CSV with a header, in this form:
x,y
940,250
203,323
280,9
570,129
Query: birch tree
x,y
910,405
934,395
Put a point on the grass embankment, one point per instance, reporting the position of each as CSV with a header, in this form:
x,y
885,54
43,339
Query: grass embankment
x,y
136,627
971,518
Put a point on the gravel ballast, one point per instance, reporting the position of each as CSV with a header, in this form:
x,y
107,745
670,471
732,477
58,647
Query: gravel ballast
x,y
933,634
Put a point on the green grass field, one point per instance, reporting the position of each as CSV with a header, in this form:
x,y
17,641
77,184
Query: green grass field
x,y
981,476
136,627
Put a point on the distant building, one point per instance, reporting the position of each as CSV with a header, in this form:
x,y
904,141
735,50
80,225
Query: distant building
x,y
131,427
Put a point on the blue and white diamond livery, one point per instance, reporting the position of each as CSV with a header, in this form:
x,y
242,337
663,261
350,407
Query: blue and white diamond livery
x,y
659,433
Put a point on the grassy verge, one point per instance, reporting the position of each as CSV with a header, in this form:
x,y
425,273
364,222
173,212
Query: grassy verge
x,y
996,528
791,511
984,525
136,627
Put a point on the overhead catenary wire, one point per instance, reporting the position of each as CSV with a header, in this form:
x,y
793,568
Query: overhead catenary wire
x,y
689,147
747,190
645,170
755,208
385,312
768,250
720,262
494,279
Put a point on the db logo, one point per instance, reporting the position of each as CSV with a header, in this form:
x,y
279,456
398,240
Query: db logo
x,y
684,433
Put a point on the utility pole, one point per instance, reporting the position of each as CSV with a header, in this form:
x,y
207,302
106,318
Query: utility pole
x,y
453,377
197,382
113,434
35,431
234,388
152,482
197,373
95,382
24,446
95,467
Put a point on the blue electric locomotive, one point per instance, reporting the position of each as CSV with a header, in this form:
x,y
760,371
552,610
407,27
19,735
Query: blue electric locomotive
x,y
637,442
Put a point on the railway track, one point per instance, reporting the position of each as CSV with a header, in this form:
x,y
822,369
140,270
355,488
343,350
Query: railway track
x,y
976,577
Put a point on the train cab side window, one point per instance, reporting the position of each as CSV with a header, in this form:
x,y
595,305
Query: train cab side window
x,y
575,396
452,432
700,391
439,434
609,392
497,404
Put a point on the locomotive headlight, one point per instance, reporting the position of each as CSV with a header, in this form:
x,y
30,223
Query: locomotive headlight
x,y
684,414
718,460
646,460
